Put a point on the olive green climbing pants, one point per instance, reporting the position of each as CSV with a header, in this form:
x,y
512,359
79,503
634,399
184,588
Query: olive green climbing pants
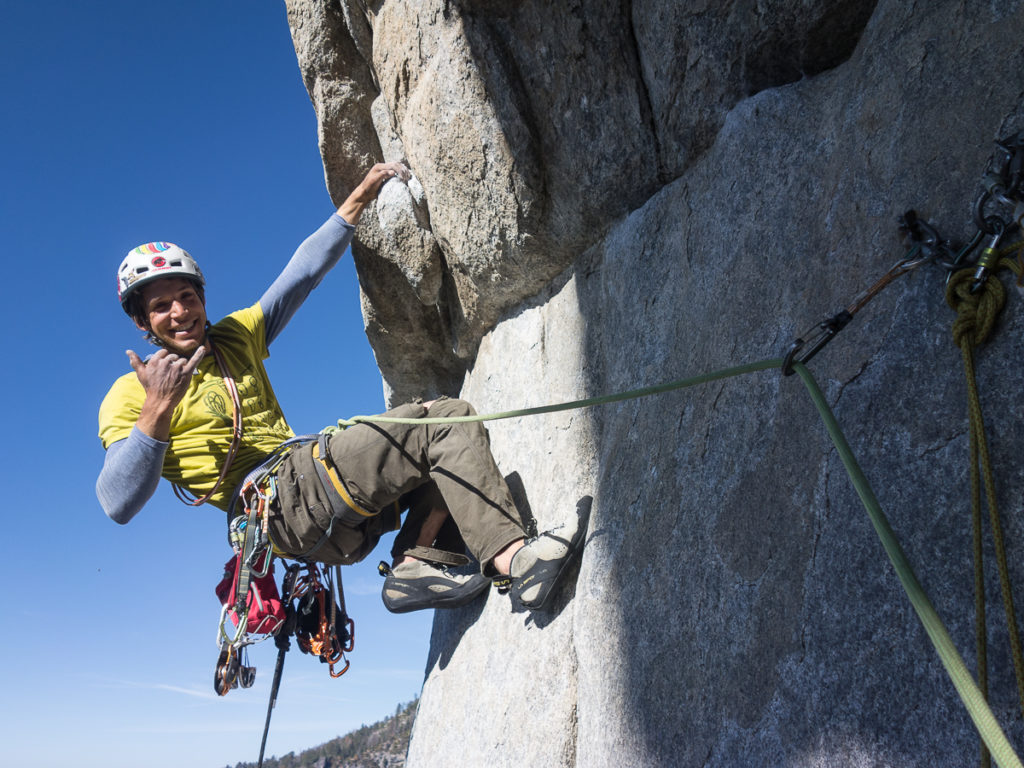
x,y
381,465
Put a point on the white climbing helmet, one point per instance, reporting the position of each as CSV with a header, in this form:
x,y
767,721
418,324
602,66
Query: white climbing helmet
x,y
150,262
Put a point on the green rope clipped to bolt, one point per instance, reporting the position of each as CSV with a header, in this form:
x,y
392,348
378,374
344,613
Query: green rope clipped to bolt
x,y
978,307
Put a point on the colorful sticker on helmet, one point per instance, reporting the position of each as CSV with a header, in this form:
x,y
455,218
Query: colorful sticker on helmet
x,y
153,248
158,262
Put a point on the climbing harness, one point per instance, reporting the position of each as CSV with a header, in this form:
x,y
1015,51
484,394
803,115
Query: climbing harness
x,y
310,606
251,603
343,506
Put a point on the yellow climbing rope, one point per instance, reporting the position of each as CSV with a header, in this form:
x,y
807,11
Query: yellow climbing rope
x,y
978,306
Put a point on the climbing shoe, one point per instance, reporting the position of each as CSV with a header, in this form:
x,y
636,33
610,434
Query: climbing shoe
x,y
538,567
417,585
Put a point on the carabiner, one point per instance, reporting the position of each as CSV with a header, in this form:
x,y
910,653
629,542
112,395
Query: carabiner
x,y
260,549
826,332
246,676
225,673
987,261
222,636
330,668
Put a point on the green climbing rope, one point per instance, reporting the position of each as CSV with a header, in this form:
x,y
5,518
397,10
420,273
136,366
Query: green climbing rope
x,y
632,394
972,697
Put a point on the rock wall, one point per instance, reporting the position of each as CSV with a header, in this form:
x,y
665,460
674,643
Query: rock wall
x,y
615,194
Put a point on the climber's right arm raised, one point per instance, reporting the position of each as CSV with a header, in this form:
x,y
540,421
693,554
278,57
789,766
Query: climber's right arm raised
x,y
322,250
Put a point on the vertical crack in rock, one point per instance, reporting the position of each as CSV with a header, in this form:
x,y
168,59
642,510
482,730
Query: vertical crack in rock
x,y
644,91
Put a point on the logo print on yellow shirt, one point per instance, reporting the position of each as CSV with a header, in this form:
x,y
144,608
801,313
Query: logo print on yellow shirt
x,y
216,404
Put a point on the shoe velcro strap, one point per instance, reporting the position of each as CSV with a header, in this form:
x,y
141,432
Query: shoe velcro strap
x,y
437,556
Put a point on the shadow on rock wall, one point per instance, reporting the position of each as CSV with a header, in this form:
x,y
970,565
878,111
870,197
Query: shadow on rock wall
x,y
773,630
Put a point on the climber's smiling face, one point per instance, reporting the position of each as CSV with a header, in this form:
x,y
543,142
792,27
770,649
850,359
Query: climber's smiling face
x,y
175,314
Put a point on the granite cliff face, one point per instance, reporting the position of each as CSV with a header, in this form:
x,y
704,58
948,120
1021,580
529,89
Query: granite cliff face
x,y
611,195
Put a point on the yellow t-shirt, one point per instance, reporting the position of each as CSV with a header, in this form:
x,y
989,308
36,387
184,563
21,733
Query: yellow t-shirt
x,y
201,423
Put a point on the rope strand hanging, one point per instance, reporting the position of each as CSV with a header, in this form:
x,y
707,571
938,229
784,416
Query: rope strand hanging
x,y
978,308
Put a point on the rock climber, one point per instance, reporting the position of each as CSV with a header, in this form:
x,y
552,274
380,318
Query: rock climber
x,y
201,412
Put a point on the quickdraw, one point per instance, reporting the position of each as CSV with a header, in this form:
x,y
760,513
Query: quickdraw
x,y
807,346
997,210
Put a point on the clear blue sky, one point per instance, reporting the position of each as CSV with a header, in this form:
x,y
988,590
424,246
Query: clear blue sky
x,y
126,122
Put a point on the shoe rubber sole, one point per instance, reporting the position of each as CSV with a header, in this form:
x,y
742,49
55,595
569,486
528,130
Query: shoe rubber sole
x,y
406,595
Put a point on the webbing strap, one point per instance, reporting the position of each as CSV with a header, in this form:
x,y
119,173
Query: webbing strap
x,y
343,506
334,487
437,556
972,698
